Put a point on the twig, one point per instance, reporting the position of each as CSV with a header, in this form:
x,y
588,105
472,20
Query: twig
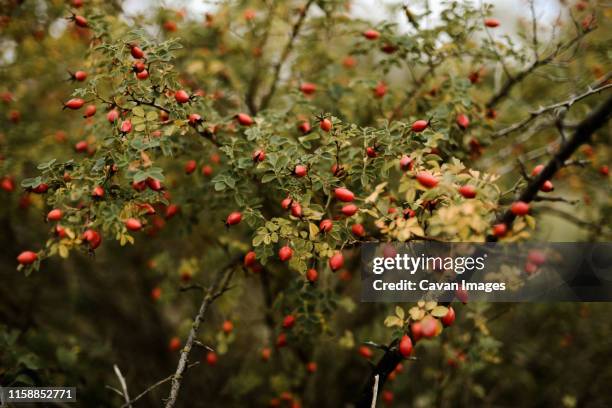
x,y
374,391
563,104
265,100
123,385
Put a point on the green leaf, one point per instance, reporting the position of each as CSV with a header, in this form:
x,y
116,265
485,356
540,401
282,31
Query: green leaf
x,y
138,111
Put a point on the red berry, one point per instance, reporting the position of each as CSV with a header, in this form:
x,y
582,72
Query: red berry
x,y
491,22
81,146
288,322
211,358
137,52
416,330
426,179
344,194
227,326
463,121
387,397
604,170
285,253
308,88
536,257
349,210
80,21
336,261
156,293
286,203
74,103
98,192
90,110
41,188
304,127
296,209
207,170
430,326
233,219
311,367
174,344
153,184
499,230
139,66
371,34
194,119
380,90
449,317
325,125
244,119
547,186
190,166
250,259
27,257
371,152
126,126
170,26
112,115
406,163
181,96
55,215
537,170
259,155
265,354
358,230
7,184
133,224
531,268
419,125
467,191
519,208
405,346
326,225
93,238
281,340
312,275
300,171
365,352
142,75
80,76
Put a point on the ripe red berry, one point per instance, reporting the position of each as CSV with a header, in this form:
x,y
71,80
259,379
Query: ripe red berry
x,y
153,184
211,358
336,261
286,203
90,110
156,293
174,344
250,259
311,367
207,170
285,253
112,115
194,119
537,170
80,21
519,208
259,155
233,219
547,186
344,194
530,268
190,166
265,354
244,119
312,275
371,34
296,209
55,215
430,326
142,75
98,192
181,96
92,237
27,257
349,210
304,127
536,257
308,88
467,191
387,397
406,163
80,76
170,26
499,230
7,184
449,317
365,352
126,126
81,146
139,66
326,225
358,230
137,52
416,330
419,125
227,326
300,170
41,188
604,170
463,121
380,90
133,224
281,340
74,103
371,152
405,346
325,125
426,179
288,322
491,22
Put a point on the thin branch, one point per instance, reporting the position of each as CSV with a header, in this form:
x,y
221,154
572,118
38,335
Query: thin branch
x,y
513,81
374,392
534,28
596,119
265,100
123,385
563,104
